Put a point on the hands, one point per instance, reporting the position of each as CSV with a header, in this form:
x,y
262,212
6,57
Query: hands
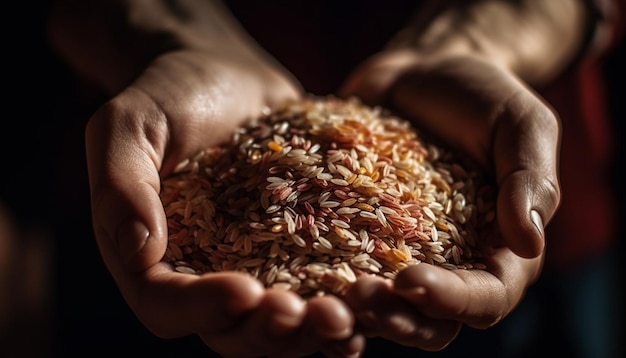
x,y
210,81
182,102
466,77
490,114
140,135
182,76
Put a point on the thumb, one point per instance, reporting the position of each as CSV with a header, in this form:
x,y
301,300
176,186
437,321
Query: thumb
x,y
127,214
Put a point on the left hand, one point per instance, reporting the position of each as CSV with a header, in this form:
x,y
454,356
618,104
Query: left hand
x,y
487,112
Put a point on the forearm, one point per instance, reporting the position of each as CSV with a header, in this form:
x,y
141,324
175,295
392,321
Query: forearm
x,y
536,39
110,42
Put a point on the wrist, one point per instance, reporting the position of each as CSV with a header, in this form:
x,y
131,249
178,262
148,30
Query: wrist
x,y
533,39
110,43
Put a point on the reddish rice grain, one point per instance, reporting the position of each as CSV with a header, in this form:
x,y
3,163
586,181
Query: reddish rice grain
x,y
316,194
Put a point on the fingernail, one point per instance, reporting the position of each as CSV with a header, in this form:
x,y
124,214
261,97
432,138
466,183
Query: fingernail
x,y
537,220
131,239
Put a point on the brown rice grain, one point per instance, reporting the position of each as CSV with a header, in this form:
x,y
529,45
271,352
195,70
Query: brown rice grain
x,y
314,194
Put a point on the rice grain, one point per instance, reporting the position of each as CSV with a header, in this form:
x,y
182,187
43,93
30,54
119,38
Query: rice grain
x,y
322,191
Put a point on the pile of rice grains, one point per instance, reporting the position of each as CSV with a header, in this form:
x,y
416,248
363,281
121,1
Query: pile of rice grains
x,y
320,192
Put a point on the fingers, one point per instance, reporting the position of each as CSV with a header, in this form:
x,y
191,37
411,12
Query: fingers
x,y
172,304
328,318
381,312
284,325
526,146
143,133
426,305
122,161
491,116
328,325
522,218
131,232
351,347
265,331
504,126
479,298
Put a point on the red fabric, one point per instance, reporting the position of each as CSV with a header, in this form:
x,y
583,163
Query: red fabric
x,y
586,223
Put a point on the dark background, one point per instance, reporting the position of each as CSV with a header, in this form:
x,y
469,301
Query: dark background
x,y
43,182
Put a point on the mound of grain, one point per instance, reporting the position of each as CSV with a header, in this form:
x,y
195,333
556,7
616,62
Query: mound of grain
x,y
320,192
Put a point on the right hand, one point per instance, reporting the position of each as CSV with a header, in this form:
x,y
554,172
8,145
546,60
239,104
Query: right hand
x,y
182,102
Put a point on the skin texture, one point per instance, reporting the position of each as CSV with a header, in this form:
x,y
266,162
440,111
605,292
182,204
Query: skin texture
x,y
182,78
460,77
146,132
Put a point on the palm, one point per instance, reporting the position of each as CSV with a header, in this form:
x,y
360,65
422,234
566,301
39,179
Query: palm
x,y
184,102
486,112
